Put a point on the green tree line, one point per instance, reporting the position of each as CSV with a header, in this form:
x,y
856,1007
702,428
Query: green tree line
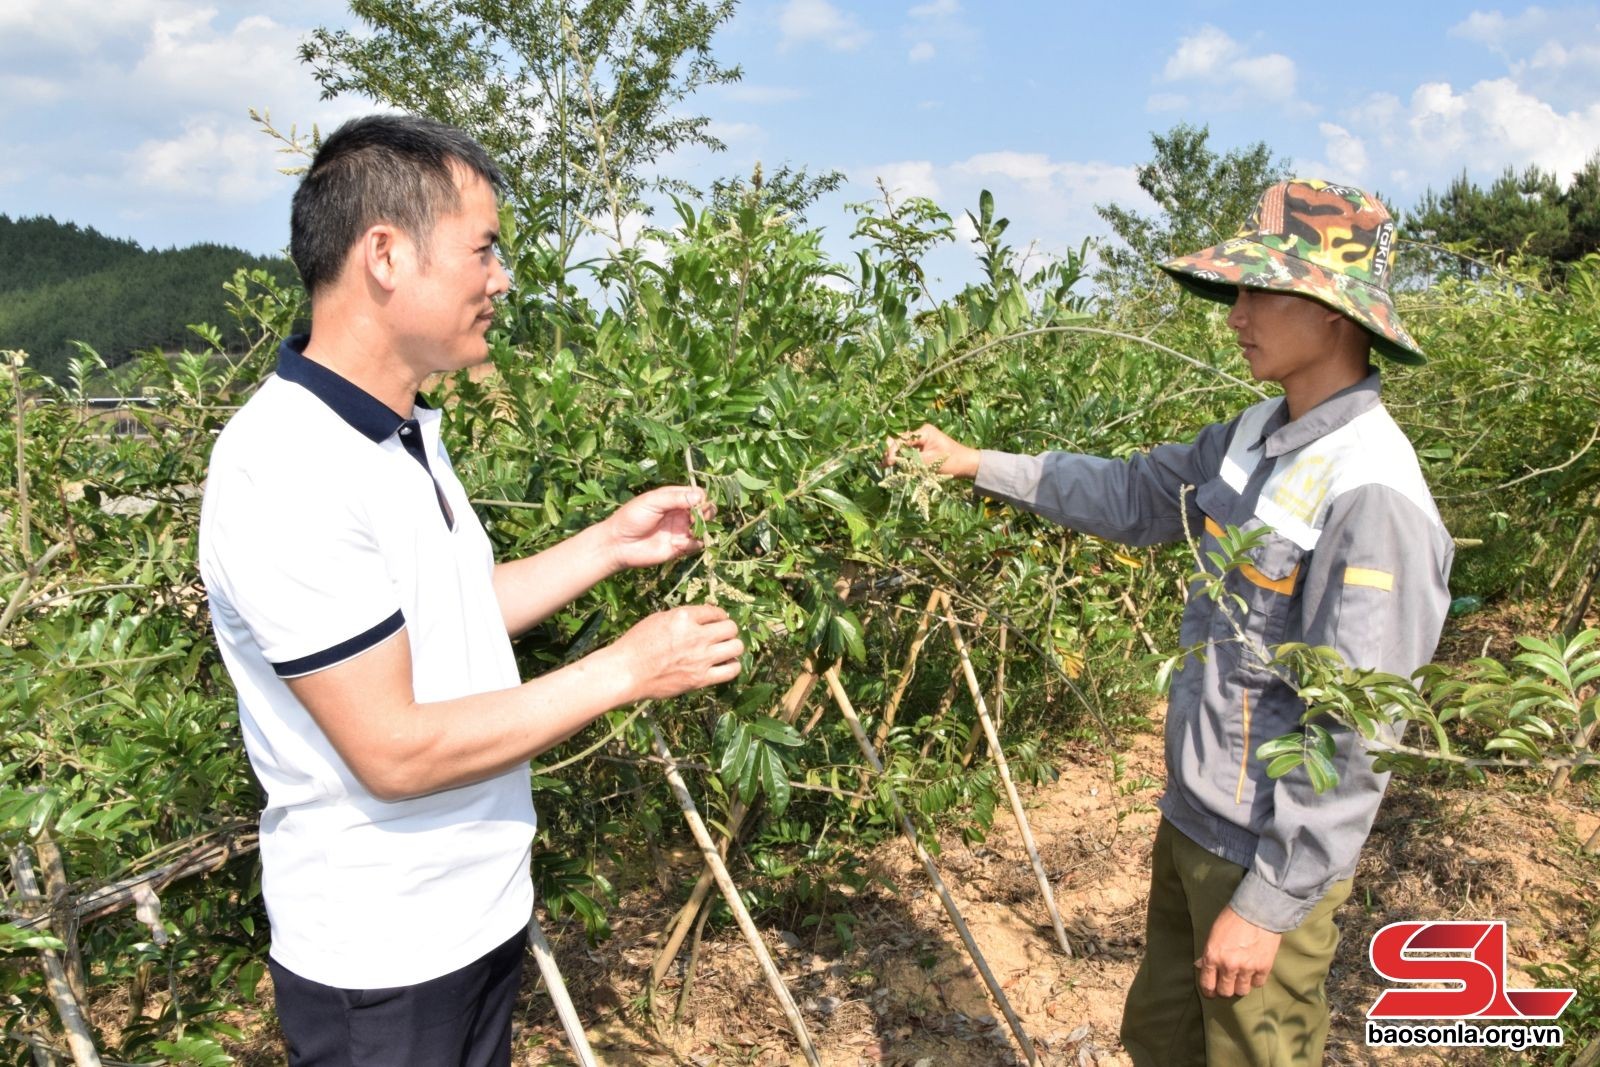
x,y
61,283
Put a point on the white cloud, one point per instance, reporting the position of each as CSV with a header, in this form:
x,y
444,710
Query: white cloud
x,y
29,89
189,58
1510,36
1166,102
1347,154
1201,55
78,26
761,94
135,113
1030,168
936,9
208,160
1553,53
735,132
922,51
908,178
818,21
1228,72
1491,125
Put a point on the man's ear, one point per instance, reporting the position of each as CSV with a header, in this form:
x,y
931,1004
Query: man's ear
x,y
383,252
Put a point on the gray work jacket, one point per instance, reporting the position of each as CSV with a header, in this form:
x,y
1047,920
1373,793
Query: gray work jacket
x,y
1356,559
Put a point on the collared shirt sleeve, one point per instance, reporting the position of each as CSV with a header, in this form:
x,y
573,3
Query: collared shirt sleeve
x,y
1375,591
296,563
1134,500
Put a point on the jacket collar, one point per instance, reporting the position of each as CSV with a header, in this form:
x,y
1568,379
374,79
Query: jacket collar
x,y
1279,435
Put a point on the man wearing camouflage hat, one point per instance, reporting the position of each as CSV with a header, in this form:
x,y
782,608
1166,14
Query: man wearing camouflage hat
x,y
1248,870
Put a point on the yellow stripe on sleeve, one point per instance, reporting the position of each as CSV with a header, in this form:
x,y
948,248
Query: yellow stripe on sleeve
x,y
1372,579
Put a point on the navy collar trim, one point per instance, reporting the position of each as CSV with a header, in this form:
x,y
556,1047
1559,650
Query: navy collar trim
x,y
363,411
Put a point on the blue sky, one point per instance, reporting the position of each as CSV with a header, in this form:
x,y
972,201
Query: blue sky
x,y
132,116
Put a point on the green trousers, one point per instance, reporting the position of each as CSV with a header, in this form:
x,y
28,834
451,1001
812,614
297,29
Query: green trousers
x,y
1167,1023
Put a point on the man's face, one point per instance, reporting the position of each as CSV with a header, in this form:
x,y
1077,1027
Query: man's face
x,y
1283,335
448,302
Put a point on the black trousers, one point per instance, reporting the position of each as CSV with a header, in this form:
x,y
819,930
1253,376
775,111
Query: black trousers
x,y
461,1019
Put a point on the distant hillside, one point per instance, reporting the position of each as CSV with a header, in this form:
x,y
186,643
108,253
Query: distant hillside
x,y
61,283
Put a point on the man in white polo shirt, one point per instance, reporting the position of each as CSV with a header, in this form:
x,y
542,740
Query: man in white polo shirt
x,y
368,629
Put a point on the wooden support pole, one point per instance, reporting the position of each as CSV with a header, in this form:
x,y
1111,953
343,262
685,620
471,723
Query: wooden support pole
x,y
62,919
202,859
999,754
577,1040
730,893
1138,623
909,670
1000,680
80,1040
1581,741
947,701
841,698
685,918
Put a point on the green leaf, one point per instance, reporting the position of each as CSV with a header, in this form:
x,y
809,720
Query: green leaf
x,y
775,732
855,521
848,630
14,939
1320,769
775,781
735,756
1285,763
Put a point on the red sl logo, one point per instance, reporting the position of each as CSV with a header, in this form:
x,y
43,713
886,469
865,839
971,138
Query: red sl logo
x,y
1471,957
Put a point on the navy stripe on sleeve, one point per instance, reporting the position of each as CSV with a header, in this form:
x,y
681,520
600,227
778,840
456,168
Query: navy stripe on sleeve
x,y
344,650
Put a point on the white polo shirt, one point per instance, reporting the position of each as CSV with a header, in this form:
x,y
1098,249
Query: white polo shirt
x,y
330,524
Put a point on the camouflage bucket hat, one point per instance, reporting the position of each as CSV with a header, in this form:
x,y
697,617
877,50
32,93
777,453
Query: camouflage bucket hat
x,y
1329,242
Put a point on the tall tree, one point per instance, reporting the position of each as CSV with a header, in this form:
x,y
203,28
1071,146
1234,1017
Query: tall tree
x,y
575,98
1582,201
1202,196
1527,213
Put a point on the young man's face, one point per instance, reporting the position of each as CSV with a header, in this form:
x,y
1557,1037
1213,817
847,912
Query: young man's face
x,y
1284,336
449,298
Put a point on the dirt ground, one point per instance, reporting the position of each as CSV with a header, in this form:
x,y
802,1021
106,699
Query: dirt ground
x,y
908,996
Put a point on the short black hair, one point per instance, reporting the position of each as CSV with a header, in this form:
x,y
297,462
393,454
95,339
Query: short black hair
x,y
398,169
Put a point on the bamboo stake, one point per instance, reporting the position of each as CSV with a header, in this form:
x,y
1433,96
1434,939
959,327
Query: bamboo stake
x,y
795,699
920,638
999,754
1577,543
943,709
1138,622
691,964
842,699
80,1041
64,922
730,893
948,700
909,670
202,859
1580,741
576,1038
1000,680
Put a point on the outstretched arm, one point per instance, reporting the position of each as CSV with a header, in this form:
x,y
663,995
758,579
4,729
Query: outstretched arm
x,y
1134,501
